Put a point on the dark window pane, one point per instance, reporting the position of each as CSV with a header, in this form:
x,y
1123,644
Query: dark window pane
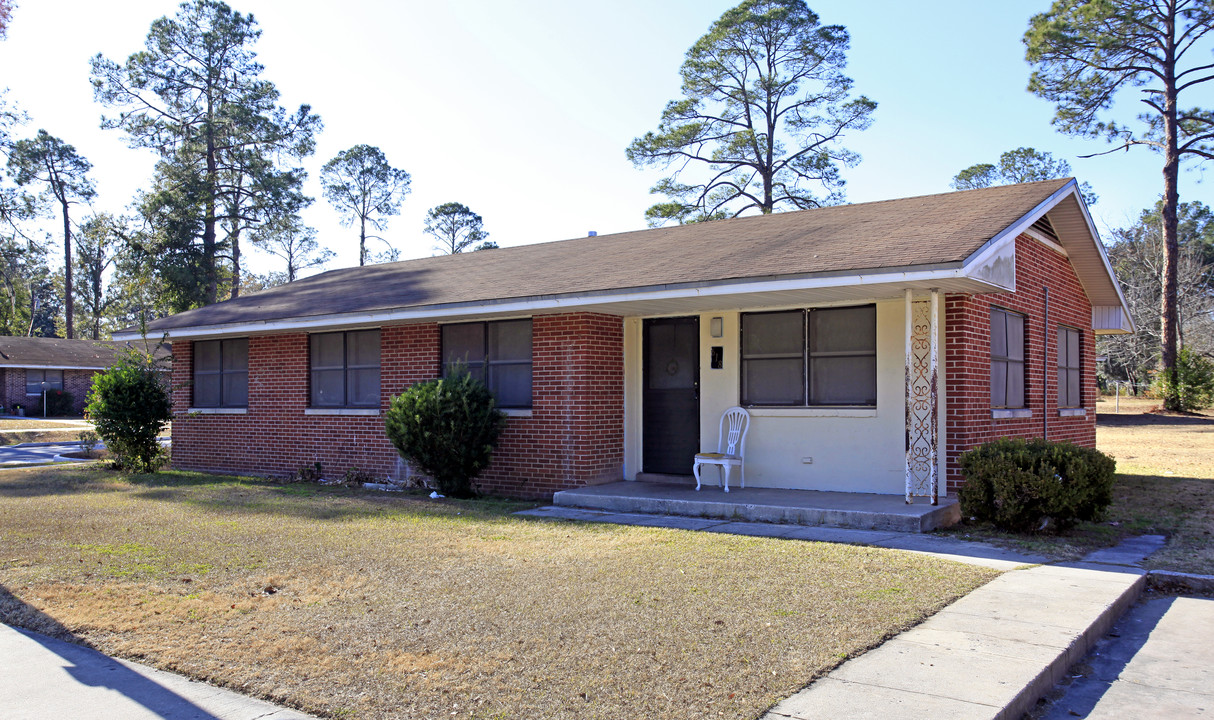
x,y
773,382
206,355
464,343
998,333
510,340
1015,385
511,385
362,349
843,329
1072,351
236,354
773,333
1072,388
844,381
1015,337
998,383
1062,333
54,379
328,388
236,389
328,351
364,387
207,390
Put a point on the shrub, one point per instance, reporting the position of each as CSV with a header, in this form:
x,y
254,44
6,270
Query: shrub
x,y
1194,381
129,405
88,442
447,427
1027,485
58,403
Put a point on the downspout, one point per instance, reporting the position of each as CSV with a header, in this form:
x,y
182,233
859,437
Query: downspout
x,y
1045,367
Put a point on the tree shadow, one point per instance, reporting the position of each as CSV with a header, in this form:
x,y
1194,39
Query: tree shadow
x,y
41,643
1112,419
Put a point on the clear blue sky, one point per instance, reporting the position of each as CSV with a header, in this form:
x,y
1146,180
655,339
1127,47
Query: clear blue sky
x,y
522,110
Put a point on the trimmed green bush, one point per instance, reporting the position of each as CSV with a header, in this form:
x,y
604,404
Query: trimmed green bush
x,y
1194,381
129,405
1028,485
447,427
58,403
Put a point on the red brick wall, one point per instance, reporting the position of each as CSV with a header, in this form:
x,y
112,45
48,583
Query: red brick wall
x,y
574,436
968,354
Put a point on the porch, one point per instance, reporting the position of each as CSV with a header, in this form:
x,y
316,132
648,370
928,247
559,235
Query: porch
x,y
865,511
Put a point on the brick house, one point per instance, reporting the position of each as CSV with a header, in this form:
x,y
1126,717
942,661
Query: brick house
x,y
614,356
28,364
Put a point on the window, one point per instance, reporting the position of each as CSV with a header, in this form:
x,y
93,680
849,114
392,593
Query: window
x,y
496,353
35,378
824,356
1068,368
1007,359
345,369
221,373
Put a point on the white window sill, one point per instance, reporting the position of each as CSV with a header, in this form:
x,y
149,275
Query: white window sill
x,y
1006,414
516,412
363,412
802,412
1072,412
218,411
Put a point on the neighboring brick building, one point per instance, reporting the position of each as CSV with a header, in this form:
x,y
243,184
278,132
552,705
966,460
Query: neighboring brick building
x,y
614,356
28,364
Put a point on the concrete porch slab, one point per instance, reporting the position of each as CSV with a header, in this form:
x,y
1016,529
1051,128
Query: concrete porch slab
x,y
865,511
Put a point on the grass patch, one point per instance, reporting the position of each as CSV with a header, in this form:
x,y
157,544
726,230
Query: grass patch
x,y
357,604
1164,486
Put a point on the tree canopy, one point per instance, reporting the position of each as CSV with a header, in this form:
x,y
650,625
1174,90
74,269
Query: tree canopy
x,y
195,96
1086,54
364,189
455,227
1024,164
765,107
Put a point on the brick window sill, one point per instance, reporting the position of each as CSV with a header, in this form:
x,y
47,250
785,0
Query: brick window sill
x,y
1072,412
364,412
218,411
1009,413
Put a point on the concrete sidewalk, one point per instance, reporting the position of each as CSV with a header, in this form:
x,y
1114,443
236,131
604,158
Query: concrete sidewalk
x,y
42,677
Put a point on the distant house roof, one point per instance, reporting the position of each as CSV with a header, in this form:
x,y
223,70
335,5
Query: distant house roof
x,y
927,241
59,353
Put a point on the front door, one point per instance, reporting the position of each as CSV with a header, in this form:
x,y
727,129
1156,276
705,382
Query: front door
x,y
670,414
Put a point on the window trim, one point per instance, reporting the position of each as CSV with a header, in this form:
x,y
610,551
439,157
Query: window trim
x,y
1022,362
346,368
44,371
807,357
221,372
1076,366
486,363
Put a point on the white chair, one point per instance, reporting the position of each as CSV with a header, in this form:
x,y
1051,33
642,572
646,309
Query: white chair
x,y
730,444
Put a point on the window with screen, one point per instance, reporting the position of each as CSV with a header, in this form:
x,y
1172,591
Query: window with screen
x,y
345,369
1007,359
1069,368
822,356
34,380
221,373
496,353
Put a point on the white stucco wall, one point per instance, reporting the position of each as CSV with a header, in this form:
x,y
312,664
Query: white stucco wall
x,y
850,449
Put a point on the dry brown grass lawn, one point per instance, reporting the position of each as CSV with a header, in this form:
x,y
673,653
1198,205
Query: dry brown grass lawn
x,y
365,606
1165,485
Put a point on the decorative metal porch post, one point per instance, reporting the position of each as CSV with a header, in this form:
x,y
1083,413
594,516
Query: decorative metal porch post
x,y
922,397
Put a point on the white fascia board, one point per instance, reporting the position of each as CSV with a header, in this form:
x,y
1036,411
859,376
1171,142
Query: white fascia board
x,y
570,302
50,367
1011,232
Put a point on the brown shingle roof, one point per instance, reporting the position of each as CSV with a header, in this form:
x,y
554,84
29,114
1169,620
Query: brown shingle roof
x,y
58,352
919,231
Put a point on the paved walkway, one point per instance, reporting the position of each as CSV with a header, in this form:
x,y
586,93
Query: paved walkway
x,y
47,678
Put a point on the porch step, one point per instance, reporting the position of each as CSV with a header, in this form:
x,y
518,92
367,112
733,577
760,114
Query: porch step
x,y
865,511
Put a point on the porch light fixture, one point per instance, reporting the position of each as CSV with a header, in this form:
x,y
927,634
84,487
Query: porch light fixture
x,y
716,327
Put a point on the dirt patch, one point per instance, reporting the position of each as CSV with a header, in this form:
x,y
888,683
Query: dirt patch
x,y
353,605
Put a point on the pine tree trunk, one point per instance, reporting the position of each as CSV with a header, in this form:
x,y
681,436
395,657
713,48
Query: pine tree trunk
x,y
1169,317
69,305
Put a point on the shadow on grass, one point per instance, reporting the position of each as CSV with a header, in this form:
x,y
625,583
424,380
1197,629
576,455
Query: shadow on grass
x,y
47,647
1111,419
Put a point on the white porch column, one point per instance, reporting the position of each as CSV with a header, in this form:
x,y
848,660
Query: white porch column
x,y
922,397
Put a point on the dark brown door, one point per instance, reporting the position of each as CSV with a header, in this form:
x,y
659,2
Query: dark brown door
x,y
670,414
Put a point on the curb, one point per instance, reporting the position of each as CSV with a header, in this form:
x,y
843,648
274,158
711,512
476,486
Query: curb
x,y
1178,582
